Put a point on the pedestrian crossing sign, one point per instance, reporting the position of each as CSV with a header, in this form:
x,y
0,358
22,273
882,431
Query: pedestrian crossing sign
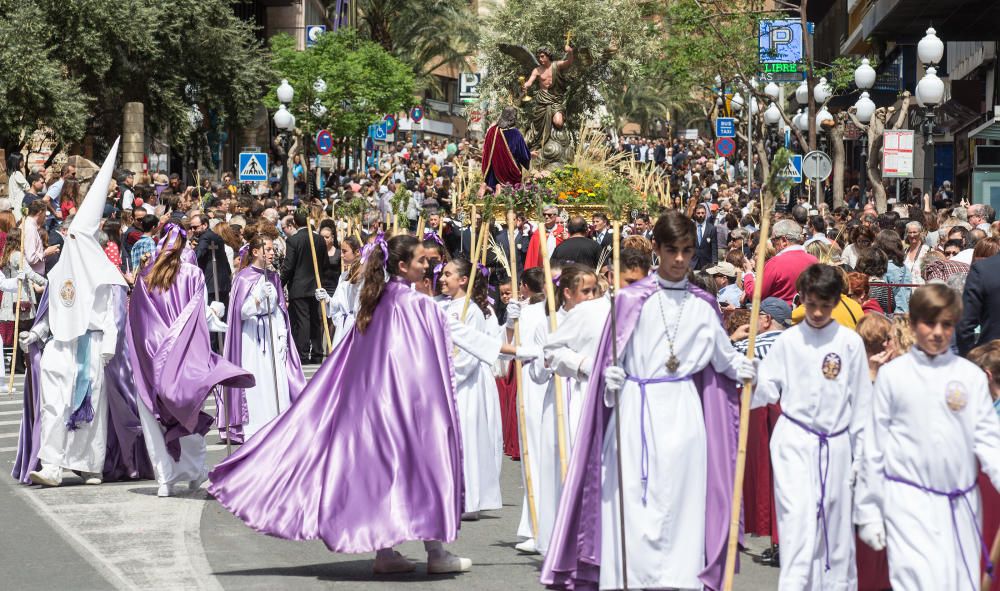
x,y
793,170
253,166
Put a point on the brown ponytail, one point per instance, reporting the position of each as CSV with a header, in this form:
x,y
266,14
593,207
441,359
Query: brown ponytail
x,y
569,278
164,271
464,268
400,249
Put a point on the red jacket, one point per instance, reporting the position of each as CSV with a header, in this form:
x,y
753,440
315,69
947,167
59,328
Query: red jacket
x,y
533,257
782,271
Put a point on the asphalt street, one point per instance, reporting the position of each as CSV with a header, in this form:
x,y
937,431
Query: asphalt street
x,y
121,536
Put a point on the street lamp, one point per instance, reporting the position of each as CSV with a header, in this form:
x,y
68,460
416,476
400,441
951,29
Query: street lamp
x,y
772,115
930,50
283,119
822,92
736,102
930,94
802,93
864,109
285,92
772,90
801,121
864,75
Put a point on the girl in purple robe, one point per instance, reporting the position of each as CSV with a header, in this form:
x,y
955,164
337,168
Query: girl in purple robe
x,y
175,368
370,454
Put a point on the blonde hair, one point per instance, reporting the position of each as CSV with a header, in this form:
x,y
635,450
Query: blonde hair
x,y
902,333
874,330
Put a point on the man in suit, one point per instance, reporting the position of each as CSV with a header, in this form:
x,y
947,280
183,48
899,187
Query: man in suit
x,y
210,245
706,248
980,305
299,277
602,230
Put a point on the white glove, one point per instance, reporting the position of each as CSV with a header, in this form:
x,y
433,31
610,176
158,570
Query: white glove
x,y
513,313
586,366
20,276
42,281
270,293
614,378
219,309
527,353
746,370
26,339
873,534
321,295
106,356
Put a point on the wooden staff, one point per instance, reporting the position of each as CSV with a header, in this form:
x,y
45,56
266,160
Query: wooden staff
x,y
420,227
994,558
616,269
274,355
319,284
357,232
550,298
472,231
741,454
522,427
17,317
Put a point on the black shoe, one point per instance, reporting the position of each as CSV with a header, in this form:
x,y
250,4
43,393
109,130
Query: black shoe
x,y
771,557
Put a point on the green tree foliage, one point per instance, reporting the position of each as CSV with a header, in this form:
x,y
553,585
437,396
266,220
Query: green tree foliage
x,y
171,55
611,38
363,82
424,34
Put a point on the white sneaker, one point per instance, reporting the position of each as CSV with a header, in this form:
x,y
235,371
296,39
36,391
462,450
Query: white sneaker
x,y
47,476
197,482
165,490
392,566
470,516
92,477
447,563
527,547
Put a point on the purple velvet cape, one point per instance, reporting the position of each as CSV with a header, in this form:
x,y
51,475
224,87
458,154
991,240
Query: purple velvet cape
x,y
126,457
175,368
370,454
235,405
574,557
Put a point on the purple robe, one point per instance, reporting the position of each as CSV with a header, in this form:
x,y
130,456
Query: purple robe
x,y
126,457
235,405
574,557
175,368
370,454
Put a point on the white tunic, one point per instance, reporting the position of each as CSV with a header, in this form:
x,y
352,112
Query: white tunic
x,y
478,402
933,424
570,351
820,377
263,353
666,533
84,448
540,459
343,307
549,474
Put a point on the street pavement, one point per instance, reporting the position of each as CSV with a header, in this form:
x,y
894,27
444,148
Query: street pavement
x,y
122,536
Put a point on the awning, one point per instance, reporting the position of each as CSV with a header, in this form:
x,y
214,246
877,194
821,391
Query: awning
x,y
954,20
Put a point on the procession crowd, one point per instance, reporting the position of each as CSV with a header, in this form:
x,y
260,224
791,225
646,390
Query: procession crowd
x,y
875,371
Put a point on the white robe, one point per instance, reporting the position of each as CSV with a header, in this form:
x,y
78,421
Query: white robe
x,y
478,403
539,458
666,534
932,423
793,374
82,449
9,286
549,475
343,307
263,354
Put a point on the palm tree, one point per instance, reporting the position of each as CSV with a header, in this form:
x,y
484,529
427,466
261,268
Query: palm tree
x,y
426,34
642,102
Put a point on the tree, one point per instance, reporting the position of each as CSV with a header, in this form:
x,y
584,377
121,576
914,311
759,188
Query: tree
x,y
611,37
361,83
171,55
642,102
424,34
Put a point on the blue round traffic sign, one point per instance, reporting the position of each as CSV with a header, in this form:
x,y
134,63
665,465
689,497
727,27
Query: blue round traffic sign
x,y
417,114
390,120
725,146
324,142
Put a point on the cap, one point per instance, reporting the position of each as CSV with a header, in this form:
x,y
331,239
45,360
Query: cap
x,y
5,204
723,268
777,309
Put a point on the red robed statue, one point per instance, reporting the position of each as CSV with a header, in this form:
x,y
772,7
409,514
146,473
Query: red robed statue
x,y
504,152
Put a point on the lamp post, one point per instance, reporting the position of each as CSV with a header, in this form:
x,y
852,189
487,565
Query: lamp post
x,y
285,122
929,94
864,79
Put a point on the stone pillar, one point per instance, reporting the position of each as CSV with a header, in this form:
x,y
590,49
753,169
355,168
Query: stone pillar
x,y
133,137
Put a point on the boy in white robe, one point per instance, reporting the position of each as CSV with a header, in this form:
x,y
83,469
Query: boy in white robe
x,y
932,425
818,371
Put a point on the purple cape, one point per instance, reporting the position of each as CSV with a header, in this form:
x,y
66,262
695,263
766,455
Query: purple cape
x,y
235,407
369,456
126,456
175,368
574,557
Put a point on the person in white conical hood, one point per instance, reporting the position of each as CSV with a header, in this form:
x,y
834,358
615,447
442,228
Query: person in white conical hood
x,y
82,335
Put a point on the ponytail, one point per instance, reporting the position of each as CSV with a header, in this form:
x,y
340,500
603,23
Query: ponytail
x,y
479,288
381,259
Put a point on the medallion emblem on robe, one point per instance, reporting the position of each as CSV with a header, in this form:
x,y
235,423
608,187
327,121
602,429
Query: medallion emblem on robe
x,y
67,293
831,366
955,396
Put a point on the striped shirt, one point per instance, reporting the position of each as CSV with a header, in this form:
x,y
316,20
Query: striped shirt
x,y
760,346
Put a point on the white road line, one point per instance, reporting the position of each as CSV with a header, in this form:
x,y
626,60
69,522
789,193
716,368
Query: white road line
x,y
107,569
